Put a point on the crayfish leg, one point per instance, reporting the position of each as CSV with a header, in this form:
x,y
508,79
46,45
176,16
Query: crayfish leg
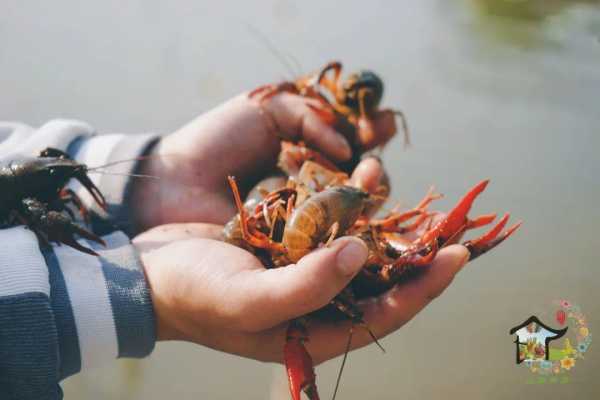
x,y
429,197
53,226
402,117
331,85
69,196
299,363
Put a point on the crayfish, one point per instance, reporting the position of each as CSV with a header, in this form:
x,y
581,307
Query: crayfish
x,y
318,202
34,193
290,222
350,106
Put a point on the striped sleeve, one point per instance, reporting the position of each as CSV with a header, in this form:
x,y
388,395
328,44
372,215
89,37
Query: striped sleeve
x,y
62,311
95,151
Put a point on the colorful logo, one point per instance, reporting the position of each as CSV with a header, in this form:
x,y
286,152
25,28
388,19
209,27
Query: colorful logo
x,y
553,351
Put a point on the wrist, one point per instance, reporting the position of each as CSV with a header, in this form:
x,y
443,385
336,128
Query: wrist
x,y
144,199
166,328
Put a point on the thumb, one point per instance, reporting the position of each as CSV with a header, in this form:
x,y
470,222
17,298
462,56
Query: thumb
x,y
310,284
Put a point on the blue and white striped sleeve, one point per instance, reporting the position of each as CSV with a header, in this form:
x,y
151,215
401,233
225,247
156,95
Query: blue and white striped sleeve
x,y
62,311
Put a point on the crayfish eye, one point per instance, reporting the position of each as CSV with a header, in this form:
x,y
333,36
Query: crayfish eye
x,y
369,84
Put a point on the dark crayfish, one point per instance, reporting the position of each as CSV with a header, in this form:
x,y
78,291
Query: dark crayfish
x,y
33,193
281,229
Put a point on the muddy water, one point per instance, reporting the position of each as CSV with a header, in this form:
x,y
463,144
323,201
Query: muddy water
x,y
490,90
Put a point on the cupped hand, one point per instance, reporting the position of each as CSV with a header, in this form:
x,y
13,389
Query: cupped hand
x,y
240,137
217,295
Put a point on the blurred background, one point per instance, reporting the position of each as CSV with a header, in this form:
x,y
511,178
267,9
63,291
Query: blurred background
x,y
507,90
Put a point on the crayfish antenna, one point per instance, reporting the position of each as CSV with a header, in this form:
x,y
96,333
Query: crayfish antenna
x,y
348,344
239,205
339,377
110,164
99,171
375,340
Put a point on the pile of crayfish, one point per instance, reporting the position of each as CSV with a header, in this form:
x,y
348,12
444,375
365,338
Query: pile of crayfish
x,y
316,201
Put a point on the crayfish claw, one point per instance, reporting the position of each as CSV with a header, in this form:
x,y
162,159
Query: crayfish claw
x,y
71,242
482,220
88,235
456,222
457,218
490,239
93,190
61,230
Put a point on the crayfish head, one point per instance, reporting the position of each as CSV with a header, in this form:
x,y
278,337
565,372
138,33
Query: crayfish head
x,y
45,174
62,169
366,84
50,175
347,204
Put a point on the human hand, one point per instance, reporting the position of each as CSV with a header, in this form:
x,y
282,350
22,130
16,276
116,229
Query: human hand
x,y
240,137
217,295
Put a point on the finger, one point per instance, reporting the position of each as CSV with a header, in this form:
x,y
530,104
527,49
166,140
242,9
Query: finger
x,y
368,174
310,284
393,309
296,120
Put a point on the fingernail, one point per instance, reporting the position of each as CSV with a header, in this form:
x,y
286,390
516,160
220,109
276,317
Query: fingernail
x,y
365,176
352,256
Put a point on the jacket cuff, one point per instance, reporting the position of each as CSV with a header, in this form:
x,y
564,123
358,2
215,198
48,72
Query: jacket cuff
x,y
101,305
97,151
28,337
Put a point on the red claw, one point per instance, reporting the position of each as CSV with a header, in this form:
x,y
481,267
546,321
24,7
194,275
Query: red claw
x,y
490,239
298,363
457,218
451,227
481,221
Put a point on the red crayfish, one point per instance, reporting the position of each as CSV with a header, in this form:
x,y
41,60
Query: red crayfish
x,y
318,203
292,221
350,106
